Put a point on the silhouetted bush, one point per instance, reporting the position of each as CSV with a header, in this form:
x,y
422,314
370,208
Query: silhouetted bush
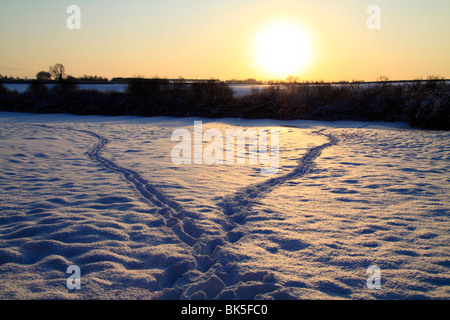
x,y
66,86
431,110
95,79
37,89
423,104
3,89
141,87
43,76
209,98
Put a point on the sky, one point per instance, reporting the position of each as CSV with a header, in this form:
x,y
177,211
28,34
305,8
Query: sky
x,y
216,39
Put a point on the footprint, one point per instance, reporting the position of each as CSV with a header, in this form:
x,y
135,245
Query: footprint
x,y
291,245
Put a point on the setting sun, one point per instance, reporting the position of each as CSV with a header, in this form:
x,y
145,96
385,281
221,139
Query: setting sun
x,y
282,49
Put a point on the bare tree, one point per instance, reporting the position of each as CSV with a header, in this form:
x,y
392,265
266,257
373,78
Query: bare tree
x,y
58,71
383,78
292,79
291,82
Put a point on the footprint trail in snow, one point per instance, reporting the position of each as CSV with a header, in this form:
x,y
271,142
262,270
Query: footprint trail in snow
x,y
206,250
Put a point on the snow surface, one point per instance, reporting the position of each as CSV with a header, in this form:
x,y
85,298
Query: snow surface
x,y
102,193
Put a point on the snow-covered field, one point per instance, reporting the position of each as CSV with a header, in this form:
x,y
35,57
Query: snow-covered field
x,y
102,193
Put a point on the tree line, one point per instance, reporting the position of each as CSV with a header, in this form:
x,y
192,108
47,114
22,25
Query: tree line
x,y
424,104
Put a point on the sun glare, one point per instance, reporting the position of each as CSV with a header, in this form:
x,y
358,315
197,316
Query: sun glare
x,y
282,49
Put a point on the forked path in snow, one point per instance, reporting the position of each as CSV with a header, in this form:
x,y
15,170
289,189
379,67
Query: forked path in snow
x,y
235,208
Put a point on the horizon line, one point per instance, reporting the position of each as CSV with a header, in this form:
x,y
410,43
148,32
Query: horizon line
x,y
248,81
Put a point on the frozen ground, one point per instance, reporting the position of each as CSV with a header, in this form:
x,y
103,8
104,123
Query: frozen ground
x,y
102,193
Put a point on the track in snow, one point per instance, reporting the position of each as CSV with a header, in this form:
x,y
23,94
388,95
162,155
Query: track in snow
x,y
172,212
235,207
